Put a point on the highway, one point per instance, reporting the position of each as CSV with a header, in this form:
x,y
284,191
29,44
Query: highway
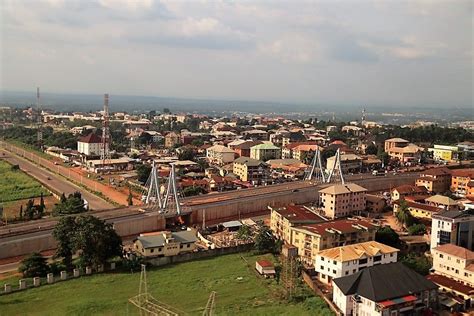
x,y
53,181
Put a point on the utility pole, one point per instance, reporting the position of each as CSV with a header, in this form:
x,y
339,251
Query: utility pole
x,y
105,153
39,120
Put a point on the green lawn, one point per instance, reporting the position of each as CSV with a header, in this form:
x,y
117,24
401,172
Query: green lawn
x,y
17,185
184,286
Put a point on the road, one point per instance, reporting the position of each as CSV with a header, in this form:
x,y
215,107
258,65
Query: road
x,y
56,183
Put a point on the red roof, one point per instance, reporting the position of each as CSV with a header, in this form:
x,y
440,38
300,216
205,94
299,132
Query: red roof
x,y
437,172
451,284
297,213
408,188
91,139
421,206
264,263
295,144
468,173
339,225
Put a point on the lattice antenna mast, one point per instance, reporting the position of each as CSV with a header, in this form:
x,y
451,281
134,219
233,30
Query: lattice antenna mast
x,y
171,201
105,153
39,118
316,167
363,116
336,168
153,195
211,303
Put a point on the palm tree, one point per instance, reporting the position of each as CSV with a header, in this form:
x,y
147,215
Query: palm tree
x,y
403,214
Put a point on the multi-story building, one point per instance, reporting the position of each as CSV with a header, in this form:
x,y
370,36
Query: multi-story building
x,y
346,260
444,153
435,180
349,163
405,190
90,145
220,155
310,239
265,152
407,154
444,202
302,152
454,262
395,142
283,218
390,289
342,200
461,180
417,210
172,139
251,170
287,152
453,227
243,149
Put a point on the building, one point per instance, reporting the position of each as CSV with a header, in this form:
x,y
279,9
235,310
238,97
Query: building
x,y
165,244
90,145
265,152
418,210
172,139
251,170
255,134
405,190
116,164
407,154
283,218
444,202
349,163
375,203
461,179
454,262
346,260
312,238
287,150
436,180
242,149
220,155
453,227
444,153
265,268
302,152
395,142
287,168
385,289
342,200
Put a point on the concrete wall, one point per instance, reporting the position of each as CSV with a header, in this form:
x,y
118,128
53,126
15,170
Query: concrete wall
x,y
135,226
27,246
198,255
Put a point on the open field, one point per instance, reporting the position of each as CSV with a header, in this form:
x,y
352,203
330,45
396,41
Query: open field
x,y
11,210
17,185
185,286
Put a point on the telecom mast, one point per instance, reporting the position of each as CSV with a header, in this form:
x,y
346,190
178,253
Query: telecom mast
x,y
105,153
39,120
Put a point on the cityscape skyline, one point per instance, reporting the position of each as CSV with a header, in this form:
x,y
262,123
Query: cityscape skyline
x,y
411,54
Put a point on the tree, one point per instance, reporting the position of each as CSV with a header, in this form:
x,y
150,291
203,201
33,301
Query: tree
x,y
41,206
166,110
73,204
95,240
63,233
371,150
383,156
417,229
244,232
33,266
420,264
186,154
386,235
30,210
265,241
403,214
192,190
143,172
130,197
21,211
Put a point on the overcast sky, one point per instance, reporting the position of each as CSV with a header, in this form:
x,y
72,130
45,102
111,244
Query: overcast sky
x,y
323,52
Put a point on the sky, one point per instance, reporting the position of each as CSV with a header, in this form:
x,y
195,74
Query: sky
x,y
384,53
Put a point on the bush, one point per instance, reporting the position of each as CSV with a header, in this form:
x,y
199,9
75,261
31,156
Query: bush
x,y
33,266
417,229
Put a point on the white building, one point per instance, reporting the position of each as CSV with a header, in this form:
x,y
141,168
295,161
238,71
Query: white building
x,y
220,155
90,145
390,289
453,227
342,200
346,260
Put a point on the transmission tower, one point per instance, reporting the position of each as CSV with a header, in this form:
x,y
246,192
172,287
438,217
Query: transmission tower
x,y
146,303
316,170
336,169
211,304
152,197
105,152
39,120
363,116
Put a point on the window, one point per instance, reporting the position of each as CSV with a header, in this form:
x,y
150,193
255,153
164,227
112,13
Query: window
x,y
322,267
333,271
377,258
347,272
152,250
441,255
363,261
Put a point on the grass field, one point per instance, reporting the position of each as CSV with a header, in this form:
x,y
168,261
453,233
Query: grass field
x,y
17,185
185,286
